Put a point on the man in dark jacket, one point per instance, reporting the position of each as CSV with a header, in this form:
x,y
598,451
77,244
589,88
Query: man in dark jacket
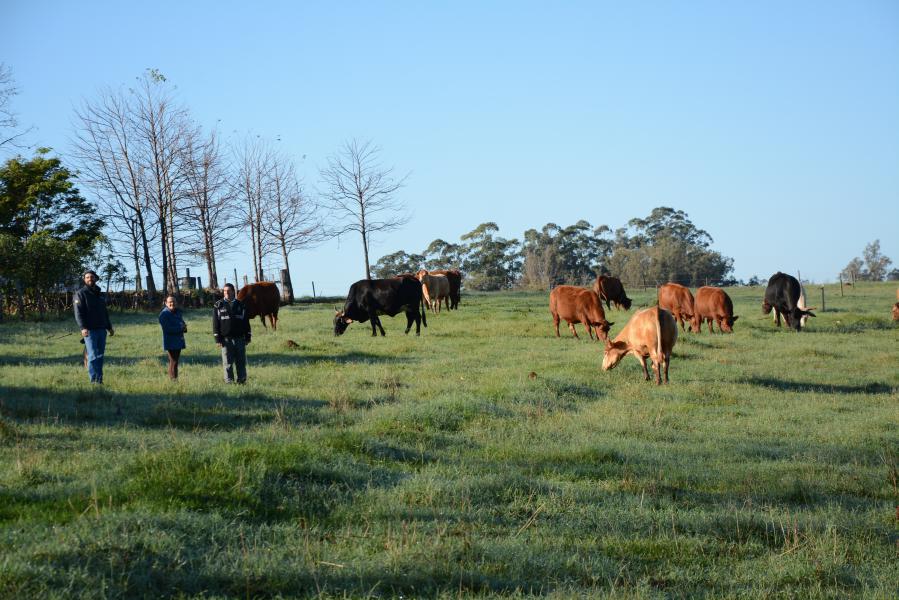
x,y
231,329
93,319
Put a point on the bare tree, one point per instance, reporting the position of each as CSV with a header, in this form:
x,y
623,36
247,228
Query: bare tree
x,y
9,121
208,201
291,218
107,148
251,188
163,128
361,193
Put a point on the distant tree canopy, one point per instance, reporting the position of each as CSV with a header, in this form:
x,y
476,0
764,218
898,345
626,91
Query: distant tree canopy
x,y
874,267
664,246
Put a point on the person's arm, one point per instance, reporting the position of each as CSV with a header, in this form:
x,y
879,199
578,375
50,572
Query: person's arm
x,y
216,330
170,324
79,308
247,320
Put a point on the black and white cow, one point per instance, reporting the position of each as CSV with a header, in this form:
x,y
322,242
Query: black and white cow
x,y
369,298
782,295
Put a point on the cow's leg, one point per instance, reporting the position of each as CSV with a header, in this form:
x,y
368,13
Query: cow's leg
x,y
417,316
374,332
571,327
262,318
642,360
776,317
667,360
657,369
710,319
274,320
588,327
381,327
556,323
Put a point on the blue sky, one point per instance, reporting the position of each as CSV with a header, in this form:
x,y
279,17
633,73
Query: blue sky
x,y
774,125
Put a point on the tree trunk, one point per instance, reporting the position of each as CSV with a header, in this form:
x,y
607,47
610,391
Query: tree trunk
x,y
287,283
365,250
151,283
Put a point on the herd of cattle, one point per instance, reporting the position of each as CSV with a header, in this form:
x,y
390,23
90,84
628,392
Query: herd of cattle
x,y
649,334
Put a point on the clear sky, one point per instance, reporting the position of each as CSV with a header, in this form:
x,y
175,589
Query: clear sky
x,y
774,125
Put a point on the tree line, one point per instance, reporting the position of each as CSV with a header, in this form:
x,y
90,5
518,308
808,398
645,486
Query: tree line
x,y
168,193
664,246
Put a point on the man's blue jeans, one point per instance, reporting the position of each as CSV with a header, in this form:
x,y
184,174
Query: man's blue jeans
x,y
95,344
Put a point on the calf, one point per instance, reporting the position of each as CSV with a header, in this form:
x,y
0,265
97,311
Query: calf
x,y
577,305
609,289
678,300
713,304
369,298
650,333
436,288
896,312
782,295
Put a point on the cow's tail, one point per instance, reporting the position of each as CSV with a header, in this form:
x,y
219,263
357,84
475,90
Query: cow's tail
x,y
659,336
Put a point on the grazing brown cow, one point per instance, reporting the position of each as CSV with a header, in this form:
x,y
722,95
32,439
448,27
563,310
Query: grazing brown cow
x,y
678,300
436,288
896,311
455,281
650,333
609,289
713,304
578,305
262,299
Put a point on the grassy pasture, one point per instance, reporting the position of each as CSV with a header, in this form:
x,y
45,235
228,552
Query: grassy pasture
x,y
436,467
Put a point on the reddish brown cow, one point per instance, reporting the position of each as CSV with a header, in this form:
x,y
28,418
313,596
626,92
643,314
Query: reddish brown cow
x,y
713,304
578,305
678,300
609,289
455,281
650,333
896,312
261,299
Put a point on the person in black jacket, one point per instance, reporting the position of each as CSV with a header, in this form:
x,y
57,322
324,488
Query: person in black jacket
x,y
93,319
231,329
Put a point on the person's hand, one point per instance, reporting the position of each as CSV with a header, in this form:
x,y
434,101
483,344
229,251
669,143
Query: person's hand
x,y
184,328
84,332
111,331
247,342
218,344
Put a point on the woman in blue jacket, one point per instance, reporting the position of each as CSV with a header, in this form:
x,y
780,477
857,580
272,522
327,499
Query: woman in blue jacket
x,y
173,329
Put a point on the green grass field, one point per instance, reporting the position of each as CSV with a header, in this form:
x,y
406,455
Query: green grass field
x,y
436,467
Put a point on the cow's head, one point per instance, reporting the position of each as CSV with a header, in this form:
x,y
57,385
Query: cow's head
x,y
614,352
421,274
727,325
626,303
695,323
794,317
766,307
341,322
602,329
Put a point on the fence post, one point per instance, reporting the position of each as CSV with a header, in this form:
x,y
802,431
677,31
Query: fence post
x,y
841,285
823,309
313,290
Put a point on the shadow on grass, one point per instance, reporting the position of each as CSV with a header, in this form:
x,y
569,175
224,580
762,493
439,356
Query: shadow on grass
x,y
874,387
206,411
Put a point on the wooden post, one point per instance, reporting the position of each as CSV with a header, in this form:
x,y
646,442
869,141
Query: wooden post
x,y
245,281
841,285
822,299
313,290
235,277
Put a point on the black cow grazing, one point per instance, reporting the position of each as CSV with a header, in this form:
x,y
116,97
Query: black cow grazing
x,y
782,295
369,298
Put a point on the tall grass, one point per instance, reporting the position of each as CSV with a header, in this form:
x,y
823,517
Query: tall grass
x,y
485,457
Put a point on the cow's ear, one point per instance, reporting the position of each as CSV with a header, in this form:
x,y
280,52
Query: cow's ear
x,y
809,313
347,320
336,311
735,318
610,324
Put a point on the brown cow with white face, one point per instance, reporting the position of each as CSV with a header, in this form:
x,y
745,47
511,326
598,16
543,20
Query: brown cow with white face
x,y
713,304
578,305
650,333
678,300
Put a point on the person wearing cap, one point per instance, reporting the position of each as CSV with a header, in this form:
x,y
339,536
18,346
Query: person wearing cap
x,y
93,319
